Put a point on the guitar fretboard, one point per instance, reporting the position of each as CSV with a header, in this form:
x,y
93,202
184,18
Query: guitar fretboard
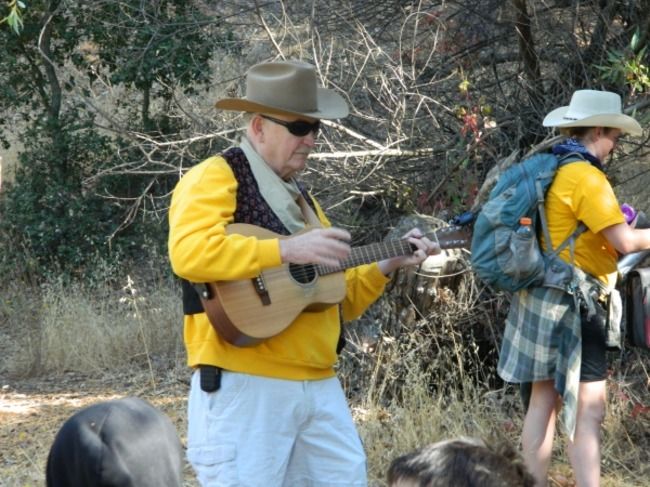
x,y
370,253
447,238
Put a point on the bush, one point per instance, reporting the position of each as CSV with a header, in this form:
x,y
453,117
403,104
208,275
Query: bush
x,y
50,218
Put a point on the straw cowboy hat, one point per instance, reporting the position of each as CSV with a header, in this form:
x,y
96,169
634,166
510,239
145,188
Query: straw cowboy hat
x,y
286,88
591,108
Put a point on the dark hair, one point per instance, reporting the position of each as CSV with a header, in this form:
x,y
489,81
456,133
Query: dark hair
x,y
462,462
580,132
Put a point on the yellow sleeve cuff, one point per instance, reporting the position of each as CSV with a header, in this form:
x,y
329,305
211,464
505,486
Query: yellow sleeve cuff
x,y
375,275
269,252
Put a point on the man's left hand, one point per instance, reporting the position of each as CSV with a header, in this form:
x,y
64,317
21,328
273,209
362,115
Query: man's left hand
x,y
425,248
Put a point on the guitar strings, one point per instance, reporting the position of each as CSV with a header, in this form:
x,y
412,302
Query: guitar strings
x,y
301,272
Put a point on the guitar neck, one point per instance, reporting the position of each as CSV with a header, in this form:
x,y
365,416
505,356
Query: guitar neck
x,y
447,238
370,253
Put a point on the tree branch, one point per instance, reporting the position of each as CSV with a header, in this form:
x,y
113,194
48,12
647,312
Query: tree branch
x,y
44,47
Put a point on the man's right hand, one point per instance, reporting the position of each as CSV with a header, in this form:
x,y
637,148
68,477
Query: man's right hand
x,y
322,246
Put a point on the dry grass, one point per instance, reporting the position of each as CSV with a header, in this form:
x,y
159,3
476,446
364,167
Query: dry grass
x,y
422,417
91,348
32,411
93,328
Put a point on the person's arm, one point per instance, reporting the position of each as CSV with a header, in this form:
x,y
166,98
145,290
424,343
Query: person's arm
x,y
200,250
597,207
202,206
626,239
367,282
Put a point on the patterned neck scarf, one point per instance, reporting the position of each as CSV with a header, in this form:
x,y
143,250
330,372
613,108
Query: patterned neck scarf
x,y
574,145
279,194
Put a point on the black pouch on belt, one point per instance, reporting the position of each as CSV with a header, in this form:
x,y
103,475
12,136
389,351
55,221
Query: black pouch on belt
x,y
210,378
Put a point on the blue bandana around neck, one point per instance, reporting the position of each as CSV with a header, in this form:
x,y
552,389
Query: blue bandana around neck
x,y
574,145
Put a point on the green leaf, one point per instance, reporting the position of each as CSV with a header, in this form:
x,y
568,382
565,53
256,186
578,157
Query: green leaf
x,y
614,56
635,40
641,53
15,22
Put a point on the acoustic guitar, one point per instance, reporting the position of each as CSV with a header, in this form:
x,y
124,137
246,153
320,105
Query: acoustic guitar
x,y
248,311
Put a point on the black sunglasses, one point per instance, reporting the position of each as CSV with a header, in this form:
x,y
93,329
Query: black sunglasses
x,y
299,128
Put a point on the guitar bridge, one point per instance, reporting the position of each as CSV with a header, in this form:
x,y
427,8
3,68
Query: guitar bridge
x,y
261,290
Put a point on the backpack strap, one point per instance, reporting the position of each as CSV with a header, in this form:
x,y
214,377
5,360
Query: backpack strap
x,y
580,229
568,158
570,240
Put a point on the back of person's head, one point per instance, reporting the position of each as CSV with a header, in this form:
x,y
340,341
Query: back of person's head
x,y
461,462
125,442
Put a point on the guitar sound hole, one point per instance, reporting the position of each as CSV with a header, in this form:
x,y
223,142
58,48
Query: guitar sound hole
x,y
303,273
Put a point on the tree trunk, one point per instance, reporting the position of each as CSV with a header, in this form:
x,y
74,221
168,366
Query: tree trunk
x,y
527,46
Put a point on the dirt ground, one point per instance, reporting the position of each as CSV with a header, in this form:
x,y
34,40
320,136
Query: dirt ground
x,y
32,411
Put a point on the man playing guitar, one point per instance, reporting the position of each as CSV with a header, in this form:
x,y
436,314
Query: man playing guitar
x,y
270,412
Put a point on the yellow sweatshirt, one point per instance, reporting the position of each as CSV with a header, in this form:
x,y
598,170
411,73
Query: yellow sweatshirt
x,y
203,204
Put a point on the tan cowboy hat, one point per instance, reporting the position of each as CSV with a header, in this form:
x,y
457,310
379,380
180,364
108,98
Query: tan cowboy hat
x,y
286,88
592,108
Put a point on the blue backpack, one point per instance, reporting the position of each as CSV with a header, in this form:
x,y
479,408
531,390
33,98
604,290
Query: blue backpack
x,y
510,260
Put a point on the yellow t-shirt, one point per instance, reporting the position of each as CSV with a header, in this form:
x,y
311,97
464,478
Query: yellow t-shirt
x,y
581,193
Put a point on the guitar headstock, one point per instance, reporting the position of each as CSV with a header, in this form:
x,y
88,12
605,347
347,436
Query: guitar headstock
x,y
452,237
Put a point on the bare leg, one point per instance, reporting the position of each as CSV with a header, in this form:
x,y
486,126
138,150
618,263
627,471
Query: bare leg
x,y
584,451
539,429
